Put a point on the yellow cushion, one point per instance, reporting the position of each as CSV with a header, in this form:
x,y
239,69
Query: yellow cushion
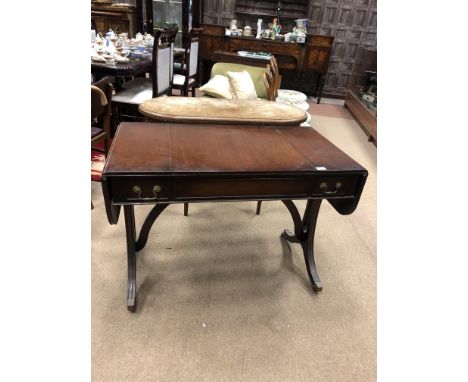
x,y
255,72
218,87
242,84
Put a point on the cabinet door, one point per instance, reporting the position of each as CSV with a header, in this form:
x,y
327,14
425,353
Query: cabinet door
x,y
162,12
119,26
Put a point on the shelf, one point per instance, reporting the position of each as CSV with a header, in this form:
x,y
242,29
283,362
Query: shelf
x,y
257,13
294,9
269,14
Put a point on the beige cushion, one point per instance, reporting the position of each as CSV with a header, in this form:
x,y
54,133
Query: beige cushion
x,y
257,74
218,87
179,80
135,92
242,84
219,110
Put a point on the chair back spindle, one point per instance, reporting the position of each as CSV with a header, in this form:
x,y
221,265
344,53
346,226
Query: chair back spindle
x,y
190,67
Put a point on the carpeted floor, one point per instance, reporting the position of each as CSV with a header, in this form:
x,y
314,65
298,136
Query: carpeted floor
x,y
222,298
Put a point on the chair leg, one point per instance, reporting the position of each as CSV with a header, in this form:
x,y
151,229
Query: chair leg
x,y
259,206
113,122
185,209
193,91
106,146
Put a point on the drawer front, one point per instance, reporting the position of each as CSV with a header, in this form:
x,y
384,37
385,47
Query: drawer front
x,y
326,187
265,46
335,186
140,189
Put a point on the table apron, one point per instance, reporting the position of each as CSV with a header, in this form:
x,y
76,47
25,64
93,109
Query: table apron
x,y
140,189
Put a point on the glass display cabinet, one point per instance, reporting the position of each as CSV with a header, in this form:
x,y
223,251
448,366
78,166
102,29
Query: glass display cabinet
x,y
168,13
361,97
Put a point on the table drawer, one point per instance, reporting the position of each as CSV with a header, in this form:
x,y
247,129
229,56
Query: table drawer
x,y
331,186
266,46
141,189
335,186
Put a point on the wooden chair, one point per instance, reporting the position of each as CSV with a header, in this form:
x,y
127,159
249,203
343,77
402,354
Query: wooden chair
x,y
101,98
276,76
125,103
101,95
189,77
270,83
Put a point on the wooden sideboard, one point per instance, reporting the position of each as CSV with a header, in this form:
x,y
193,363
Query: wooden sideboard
x,y
121,19
303,66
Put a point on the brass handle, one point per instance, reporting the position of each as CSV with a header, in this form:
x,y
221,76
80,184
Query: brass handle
x,y
137,190
324,188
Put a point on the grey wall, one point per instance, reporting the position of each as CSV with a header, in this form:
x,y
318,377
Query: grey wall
x,y
353,23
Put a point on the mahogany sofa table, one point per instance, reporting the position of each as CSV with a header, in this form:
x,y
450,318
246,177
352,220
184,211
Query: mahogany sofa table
x,y
165,163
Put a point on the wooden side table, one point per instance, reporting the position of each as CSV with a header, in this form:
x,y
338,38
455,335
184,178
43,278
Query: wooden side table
x,y
166,163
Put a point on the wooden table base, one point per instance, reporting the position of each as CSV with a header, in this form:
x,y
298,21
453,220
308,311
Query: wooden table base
x,y
304,232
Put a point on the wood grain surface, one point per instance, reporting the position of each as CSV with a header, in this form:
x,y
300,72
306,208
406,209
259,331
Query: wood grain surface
x,y
152,148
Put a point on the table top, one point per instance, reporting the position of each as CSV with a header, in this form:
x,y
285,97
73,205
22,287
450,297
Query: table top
x,y
130,67
219,111
185,149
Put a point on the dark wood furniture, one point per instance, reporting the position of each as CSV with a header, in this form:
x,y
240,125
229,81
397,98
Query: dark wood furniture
x,y
175,163
121,19
363,80
126,102
303,67
188,76
101,95
352,23
285,11
125,71
101,98
120,71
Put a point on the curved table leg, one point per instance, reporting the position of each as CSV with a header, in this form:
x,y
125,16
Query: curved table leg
x,y
146,227
304,232
131,257
133,246
185,209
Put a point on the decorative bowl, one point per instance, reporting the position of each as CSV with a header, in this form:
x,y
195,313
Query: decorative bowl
x,y
301,23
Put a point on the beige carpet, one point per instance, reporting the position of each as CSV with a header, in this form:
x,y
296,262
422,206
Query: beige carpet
x,y
222,298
